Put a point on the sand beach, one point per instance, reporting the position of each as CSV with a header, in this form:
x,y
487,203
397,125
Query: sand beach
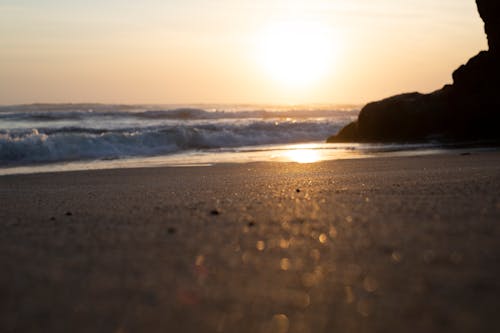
x,y
390,244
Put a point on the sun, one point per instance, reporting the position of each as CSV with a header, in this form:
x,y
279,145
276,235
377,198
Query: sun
x,y
296,53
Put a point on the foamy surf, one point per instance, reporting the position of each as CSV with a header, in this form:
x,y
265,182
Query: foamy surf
x,y
38,134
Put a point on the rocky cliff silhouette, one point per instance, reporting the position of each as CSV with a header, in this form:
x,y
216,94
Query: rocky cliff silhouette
x,y
469,109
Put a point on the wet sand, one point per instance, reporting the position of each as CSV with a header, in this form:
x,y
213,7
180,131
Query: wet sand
x,y
403,244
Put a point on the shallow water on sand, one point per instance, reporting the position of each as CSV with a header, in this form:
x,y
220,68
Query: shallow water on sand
x,y
293,153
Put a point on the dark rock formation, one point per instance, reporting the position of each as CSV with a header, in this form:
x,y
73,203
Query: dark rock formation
x,y
467,110
489,11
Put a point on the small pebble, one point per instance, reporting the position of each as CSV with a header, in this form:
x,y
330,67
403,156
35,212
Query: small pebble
x,y
251,224
69,213
171,230
214,212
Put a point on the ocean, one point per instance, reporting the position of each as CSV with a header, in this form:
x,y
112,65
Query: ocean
x,y
59,137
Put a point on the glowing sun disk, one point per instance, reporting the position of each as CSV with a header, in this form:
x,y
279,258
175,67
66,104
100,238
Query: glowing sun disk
x,y
296,53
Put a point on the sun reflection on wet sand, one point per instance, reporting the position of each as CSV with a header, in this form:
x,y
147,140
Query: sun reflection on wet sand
x,y
304,154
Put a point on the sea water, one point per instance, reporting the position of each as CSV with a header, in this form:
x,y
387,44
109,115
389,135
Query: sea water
x,y
56,137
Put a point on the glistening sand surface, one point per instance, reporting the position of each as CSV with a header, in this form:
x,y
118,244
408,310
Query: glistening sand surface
x,y
375,245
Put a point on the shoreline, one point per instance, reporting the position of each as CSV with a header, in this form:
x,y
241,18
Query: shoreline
x,y
369,245
284,153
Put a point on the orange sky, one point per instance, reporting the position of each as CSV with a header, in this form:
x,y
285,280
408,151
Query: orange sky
x,y
225,51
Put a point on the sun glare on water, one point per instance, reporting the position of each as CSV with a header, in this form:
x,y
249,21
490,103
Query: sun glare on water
x,y
303,154
296,54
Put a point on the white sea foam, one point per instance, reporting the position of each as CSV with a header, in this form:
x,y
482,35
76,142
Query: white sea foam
x,y
45,134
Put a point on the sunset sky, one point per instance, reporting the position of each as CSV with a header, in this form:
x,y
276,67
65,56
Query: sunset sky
x,y
228,51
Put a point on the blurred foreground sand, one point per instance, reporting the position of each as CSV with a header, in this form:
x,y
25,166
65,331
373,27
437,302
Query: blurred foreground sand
x,y
407,244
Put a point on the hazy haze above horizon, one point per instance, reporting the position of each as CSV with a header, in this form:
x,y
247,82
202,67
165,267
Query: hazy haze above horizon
x,y
222,51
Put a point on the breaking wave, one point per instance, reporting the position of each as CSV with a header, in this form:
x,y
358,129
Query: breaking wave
x,y
46,144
